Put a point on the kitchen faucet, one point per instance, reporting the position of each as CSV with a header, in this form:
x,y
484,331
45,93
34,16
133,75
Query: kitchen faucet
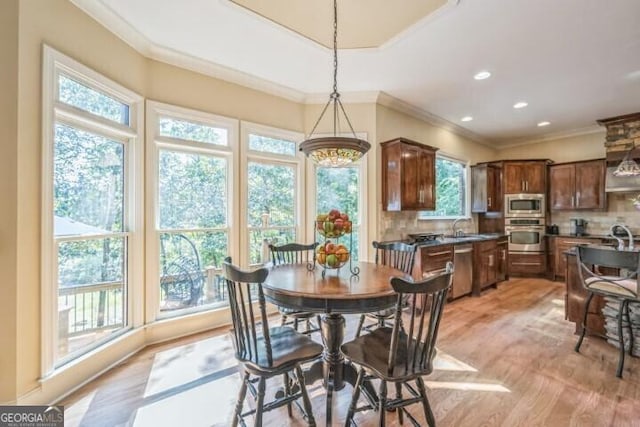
x,y
454,231
625,228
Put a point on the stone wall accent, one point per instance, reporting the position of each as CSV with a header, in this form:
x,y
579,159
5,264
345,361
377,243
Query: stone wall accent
x,y
623,132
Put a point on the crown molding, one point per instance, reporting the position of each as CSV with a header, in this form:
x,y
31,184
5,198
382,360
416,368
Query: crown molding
x,y
404,107
555,135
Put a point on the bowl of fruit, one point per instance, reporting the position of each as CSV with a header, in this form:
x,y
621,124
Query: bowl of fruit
x,y
333,224
332,255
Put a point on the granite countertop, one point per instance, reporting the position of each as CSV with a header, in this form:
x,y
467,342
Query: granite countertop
x,y
588,236
469,238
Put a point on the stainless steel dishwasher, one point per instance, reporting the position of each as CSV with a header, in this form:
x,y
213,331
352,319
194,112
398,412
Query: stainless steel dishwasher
x,y
463,270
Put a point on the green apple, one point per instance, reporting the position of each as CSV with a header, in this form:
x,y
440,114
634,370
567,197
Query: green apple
x,y
332,260
328,228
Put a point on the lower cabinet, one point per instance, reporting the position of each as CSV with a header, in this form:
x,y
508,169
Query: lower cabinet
x,y
485,263
503,259
431,260
563,244
525,264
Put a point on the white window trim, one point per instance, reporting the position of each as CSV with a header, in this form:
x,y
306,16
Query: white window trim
x,y
247,155
467,214
363,202
53,64
155,142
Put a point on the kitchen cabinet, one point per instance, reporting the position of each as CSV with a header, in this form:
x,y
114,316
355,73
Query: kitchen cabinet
x,y
578,185
486,188
563,244
503,259
524,177
431,259
408,175
485,262
527,264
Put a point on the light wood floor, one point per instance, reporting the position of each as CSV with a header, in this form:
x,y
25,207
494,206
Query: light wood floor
x,y
505,359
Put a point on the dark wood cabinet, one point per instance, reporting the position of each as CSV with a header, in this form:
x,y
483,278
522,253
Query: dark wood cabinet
x,y
563,244
503,259
486,186
524,177
485,265
578,185
527,264
576,299
408,175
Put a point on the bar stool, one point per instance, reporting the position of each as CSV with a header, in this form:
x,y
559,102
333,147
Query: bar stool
x,y
623,287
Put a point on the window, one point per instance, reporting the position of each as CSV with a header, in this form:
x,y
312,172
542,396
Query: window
x,y
273,180
89,186
451,189
193,160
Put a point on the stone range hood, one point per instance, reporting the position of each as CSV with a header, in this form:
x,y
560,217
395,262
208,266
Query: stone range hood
x,y
623,134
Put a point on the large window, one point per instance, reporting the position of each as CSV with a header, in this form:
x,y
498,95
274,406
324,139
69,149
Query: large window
x,y
273,174
339,188
193,162
451,189
89,183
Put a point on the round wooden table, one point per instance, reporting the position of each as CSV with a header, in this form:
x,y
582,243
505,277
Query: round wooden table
x,y
297,287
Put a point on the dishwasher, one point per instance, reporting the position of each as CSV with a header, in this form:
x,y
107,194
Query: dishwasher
x,y
463,270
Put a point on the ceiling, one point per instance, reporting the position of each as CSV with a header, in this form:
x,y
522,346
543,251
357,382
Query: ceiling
x,y
572,61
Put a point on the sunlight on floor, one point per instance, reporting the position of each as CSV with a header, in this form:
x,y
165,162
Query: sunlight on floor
x,y
446,362
466,386
207,405
189,363
74,414
558,302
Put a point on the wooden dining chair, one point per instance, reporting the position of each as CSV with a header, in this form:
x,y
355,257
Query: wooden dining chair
x,y
622,287
264,352
400,256
296,253
400,356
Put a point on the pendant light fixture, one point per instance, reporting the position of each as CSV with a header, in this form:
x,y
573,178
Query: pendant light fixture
x,y
628,166
334,150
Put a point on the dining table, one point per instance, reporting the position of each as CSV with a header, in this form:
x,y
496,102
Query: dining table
x,y
332,293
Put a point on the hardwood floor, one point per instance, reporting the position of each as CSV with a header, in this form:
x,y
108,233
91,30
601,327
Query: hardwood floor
x,y
505,359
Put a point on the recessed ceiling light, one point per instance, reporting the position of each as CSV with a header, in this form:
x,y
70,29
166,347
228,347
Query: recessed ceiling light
x,y
466,119
545,123
520,104
482,75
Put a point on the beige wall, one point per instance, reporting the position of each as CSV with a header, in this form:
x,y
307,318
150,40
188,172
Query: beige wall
x,y
8,192
392,124
582,147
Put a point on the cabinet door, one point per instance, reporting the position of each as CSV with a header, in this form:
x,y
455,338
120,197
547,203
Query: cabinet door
x,y
426,180
513,180
589,185
503,262
494,189
491,257
562,180
479,184
411,177
534,177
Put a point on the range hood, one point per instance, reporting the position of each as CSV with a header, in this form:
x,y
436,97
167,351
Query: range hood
x,y
621,184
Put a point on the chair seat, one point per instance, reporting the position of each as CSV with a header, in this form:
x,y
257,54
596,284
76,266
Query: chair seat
x,y
289,312
288,347
613,285
372,352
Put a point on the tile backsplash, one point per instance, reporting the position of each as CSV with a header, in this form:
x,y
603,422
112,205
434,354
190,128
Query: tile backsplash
x,y
396,225
620,210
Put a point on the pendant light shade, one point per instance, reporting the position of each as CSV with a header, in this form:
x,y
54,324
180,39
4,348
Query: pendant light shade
x,y
334,151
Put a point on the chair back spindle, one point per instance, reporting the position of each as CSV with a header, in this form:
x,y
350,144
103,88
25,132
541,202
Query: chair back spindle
x,y
397,255
293,253
417,346
243,288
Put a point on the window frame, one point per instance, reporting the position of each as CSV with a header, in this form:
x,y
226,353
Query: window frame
x,y
53,111
155,144
297,161
422,216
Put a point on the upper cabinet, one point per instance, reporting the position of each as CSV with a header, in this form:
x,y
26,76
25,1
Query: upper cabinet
x,y
578,185
524,177
408,175
486,186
